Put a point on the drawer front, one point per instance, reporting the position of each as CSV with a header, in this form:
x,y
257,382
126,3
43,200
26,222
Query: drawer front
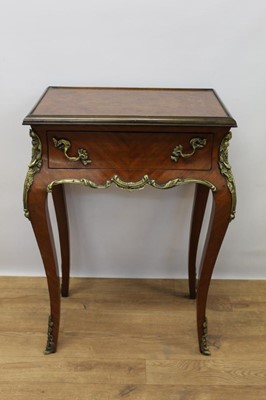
x,y
131,150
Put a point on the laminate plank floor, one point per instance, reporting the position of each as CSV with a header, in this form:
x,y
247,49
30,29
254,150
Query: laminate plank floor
x,y
133,339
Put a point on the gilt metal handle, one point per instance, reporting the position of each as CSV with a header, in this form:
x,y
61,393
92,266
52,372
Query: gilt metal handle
x,y
64,145
196,143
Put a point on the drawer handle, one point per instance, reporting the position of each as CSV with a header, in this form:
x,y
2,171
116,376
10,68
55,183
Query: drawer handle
x,y
64,145
196,143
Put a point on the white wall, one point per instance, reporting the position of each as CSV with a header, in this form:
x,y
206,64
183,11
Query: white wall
x,y
170,43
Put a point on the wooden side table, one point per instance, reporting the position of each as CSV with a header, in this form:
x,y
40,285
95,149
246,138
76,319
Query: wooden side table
x,y
98,137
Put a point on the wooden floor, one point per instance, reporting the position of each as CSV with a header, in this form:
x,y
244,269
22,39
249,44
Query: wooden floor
x,y
132,339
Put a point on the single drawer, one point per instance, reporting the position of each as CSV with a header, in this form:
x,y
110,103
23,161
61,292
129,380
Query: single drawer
x,y
129,150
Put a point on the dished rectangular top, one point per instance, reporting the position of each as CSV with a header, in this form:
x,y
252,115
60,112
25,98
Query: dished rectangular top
x,y
73,105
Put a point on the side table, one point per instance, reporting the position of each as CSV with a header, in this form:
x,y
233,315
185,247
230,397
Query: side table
x,y
98,137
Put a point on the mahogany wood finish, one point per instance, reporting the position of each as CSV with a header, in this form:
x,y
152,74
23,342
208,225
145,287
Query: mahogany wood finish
x,y
61,216
199,206
145,150
129,137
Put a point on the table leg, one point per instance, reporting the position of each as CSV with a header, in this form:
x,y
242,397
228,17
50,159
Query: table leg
x,y
220,218
39,217
199,206
58,194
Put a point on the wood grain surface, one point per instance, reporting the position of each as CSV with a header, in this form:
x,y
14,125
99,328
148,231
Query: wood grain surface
x,y
133,339
130,104
130,101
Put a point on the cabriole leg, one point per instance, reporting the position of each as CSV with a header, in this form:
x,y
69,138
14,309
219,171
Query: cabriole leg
x,y
58,194
220,218
199,206
39,217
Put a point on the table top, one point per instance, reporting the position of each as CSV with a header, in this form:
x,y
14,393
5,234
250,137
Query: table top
x,y
85,105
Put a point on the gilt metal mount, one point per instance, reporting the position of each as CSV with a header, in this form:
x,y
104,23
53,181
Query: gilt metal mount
x,y
33,168
204,349
130,186
64,145
196,143
226,171
50,346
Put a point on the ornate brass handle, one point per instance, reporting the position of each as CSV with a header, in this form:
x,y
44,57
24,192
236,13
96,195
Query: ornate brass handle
x,y
64,145
196,143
